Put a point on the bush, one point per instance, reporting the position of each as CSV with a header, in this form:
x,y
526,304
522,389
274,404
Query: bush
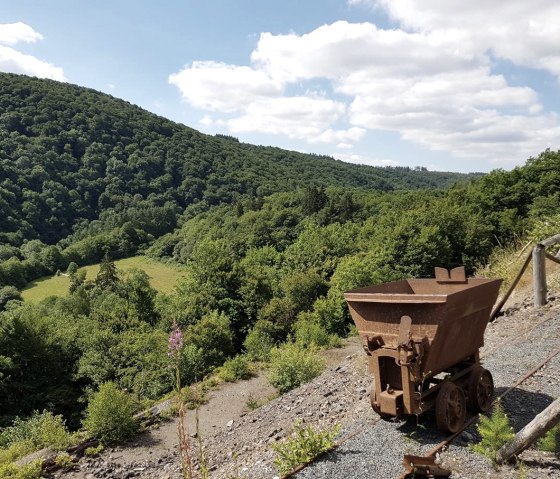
x,y
309,332
235,369
109,415
64,461
304,446
495,431
292,365
38,431
207,344
29,471
260,341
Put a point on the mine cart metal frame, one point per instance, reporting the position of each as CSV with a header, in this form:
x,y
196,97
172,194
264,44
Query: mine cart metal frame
x,y
422,337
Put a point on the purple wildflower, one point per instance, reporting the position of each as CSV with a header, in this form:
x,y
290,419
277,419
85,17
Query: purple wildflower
x,y
175,341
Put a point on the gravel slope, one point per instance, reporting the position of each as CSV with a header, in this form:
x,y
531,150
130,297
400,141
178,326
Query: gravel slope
x,y
516,343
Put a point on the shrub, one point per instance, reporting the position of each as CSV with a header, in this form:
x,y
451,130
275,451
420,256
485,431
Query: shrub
x,y
234,369
93,451
260,341
495,431
38,431
303,447
64,461
28,471
109,415
308,332
207,344
292,365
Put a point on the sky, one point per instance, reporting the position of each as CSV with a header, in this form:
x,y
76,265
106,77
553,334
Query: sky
x,y
447,85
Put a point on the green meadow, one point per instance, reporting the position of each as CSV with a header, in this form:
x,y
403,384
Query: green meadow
x,y
162,277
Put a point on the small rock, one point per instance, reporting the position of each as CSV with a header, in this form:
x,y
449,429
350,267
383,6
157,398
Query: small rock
x,y
229,423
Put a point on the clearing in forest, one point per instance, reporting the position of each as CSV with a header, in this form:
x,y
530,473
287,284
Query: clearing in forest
x,y
162,277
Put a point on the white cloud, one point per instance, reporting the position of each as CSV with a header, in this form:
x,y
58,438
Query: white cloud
x,y
12,33
524,32
220,87
431,79
14,61
364,160
295,117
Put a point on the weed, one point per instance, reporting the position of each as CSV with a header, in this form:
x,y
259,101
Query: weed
x,y
495,431
93,451
304,446
175,345
550,442
522,470
64,461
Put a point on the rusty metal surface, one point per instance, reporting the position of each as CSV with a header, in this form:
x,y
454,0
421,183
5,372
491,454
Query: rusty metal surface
x,y
421,466
448,318
417,328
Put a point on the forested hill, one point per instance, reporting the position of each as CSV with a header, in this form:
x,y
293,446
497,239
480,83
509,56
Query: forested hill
x,y
70,155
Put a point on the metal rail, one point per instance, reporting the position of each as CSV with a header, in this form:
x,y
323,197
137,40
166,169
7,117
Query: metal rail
x,y
443,443
432,452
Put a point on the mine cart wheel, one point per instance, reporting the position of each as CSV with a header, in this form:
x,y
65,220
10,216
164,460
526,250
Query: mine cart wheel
x,y
481,390
450,408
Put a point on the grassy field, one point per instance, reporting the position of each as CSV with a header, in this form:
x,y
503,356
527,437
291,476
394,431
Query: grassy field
x,y
162,277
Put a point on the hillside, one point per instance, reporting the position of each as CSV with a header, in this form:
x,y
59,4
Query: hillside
x,y
514,344
270,240
70,155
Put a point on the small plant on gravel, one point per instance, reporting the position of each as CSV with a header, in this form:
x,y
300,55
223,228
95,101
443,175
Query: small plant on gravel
x,y
550,442
292,365
303,446
495,431
64,461
93,451
253,403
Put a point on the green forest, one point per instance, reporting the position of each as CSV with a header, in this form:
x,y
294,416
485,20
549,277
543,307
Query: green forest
x,y
270,240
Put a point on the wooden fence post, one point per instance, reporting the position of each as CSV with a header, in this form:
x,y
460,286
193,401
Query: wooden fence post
x,y
539,275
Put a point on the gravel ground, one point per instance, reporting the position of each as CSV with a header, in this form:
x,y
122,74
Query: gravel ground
x,y
516,343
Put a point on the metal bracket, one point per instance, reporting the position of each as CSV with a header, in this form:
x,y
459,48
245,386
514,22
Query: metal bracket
x,y
456,275
422,466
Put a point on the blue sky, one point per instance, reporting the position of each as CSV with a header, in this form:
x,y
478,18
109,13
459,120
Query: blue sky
x,y
454,85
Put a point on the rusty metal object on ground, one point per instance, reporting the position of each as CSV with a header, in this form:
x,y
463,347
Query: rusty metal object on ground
x,y
420,466
421,334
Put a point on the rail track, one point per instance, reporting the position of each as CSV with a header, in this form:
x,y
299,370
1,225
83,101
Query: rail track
x,y
441,445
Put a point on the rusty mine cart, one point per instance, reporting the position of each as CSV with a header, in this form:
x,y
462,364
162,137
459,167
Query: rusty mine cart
x,y
422,337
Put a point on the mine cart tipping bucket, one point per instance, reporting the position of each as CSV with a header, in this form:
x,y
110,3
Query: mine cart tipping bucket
x,y
415,329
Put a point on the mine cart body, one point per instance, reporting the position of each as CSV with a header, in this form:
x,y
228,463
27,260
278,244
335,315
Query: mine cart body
x,y
421,334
